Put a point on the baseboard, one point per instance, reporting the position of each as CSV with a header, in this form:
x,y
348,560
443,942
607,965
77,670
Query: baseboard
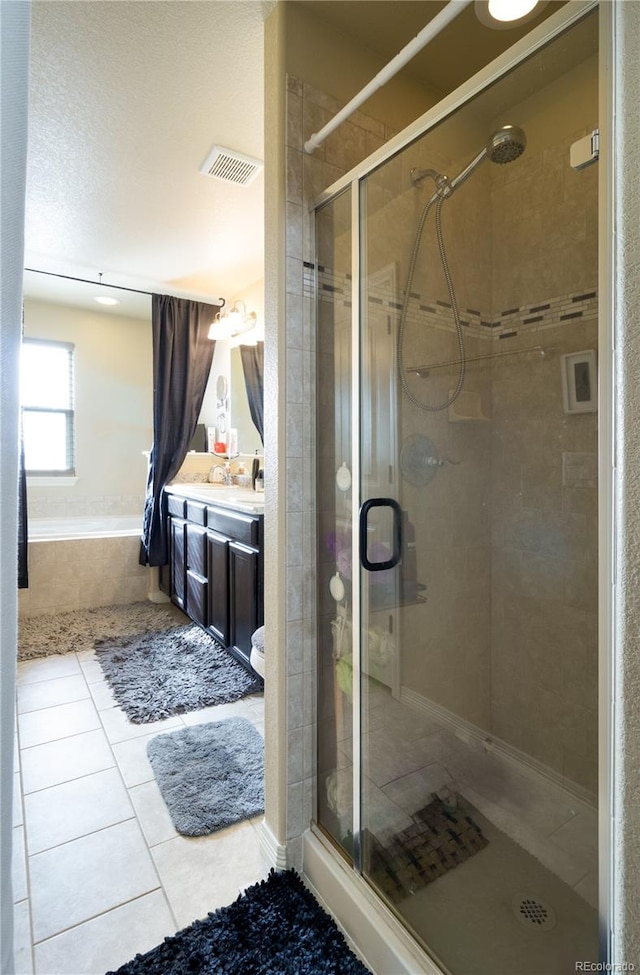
x,y
371,930
467,731
274,853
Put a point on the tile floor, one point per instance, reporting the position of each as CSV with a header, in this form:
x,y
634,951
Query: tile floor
x,y
99,871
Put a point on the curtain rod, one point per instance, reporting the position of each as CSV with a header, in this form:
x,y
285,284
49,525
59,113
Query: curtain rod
x,y
102,284
408,52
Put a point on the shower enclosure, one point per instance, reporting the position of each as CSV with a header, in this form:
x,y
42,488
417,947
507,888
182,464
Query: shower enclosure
x,y
456,315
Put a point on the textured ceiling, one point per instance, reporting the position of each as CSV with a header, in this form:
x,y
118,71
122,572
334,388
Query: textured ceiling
x,y
127,99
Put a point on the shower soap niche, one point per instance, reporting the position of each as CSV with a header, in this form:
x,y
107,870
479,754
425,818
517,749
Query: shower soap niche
x,y
466,406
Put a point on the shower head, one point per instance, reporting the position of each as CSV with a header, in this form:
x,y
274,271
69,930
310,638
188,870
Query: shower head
x,y
506,144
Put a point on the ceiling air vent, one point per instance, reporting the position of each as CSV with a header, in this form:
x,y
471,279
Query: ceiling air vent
x,y
231,166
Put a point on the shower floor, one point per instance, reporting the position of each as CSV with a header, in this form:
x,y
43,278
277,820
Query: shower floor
x,y
542,842
482,899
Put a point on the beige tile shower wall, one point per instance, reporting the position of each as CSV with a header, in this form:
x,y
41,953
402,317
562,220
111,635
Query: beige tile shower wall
x,y
544,463
543,226
82,573
445,642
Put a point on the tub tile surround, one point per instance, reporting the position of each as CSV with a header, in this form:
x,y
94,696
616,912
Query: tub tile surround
x,y
517,479
81,573
114,878
43,503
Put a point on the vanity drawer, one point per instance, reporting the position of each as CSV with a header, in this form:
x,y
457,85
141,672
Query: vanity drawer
x,y
175,506
197,512
241,527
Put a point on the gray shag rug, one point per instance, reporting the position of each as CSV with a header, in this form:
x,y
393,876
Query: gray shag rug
x,y
210,775
43,636
155,675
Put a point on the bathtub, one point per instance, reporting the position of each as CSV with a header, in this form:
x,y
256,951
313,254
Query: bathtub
x,y
85,526
85,562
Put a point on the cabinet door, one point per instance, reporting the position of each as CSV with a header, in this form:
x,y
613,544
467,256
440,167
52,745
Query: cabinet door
x,y
243,596
177,559
197,549
218,576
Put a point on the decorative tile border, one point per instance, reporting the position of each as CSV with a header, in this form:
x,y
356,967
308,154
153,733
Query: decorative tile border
x,y
545,313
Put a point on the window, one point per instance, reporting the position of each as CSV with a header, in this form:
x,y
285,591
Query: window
x,y
47,407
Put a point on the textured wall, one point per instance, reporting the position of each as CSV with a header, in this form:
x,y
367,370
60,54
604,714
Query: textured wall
x,y
626,71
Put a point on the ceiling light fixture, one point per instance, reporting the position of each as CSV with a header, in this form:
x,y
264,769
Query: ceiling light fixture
x,y
105,300
505,14
228,324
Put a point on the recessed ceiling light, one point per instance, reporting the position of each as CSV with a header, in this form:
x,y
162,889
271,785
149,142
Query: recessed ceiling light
x,y
503,14
104,300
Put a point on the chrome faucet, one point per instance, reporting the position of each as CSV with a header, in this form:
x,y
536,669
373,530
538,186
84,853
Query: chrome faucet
x,y
226,474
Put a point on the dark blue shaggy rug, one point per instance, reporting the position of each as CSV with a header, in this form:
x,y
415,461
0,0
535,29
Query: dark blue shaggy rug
x,y
275,928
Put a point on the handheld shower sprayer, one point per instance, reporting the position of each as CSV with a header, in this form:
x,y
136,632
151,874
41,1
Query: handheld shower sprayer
x,y
505,144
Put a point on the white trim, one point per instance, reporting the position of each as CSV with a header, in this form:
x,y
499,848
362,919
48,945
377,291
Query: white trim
x,y
356,500
608,636
369,927
467,731
34,480
274,853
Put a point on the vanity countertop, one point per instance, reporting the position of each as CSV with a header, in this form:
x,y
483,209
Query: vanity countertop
x,y
227,496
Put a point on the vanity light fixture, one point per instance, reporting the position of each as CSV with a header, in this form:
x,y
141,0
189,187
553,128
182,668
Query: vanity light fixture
x,y
236,321
504,14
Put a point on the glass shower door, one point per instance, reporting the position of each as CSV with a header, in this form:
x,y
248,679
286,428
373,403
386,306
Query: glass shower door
x,y
457,525
477,810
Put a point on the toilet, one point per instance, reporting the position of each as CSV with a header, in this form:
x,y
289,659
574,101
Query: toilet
x,y
257,651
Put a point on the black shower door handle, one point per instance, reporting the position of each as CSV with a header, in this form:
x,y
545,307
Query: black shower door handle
x,y
397,533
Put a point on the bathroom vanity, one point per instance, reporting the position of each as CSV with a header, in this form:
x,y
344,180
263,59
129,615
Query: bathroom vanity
x,y
215,572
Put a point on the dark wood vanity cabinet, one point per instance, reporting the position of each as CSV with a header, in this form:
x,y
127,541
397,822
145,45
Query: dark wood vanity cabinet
x,y
216,570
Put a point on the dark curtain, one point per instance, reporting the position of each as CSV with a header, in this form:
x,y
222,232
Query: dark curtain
x,y
182,356
23,547
253,367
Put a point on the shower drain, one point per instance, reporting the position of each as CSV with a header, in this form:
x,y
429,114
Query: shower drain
x,y
533,912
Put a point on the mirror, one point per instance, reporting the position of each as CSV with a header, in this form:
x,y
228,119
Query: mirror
x,y
226,392
248,437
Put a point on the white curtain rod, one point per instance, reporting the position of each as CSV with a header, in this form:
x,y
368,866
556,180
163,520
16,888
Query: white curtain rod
x,y
409,51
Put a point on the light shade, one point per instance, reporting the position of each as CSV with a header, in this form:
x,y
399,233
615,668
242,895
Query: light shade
x,y
508,10
503,14
234,322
